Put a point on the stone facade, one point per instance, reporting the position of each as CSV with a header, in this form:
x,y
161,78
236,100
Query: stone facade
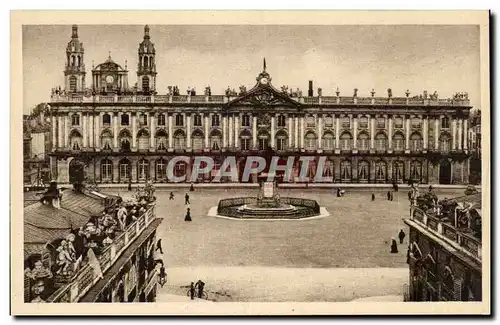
x,y
126,134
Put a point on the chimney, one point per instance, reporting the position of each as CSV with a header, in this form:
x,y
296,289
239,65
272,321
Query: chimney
x,y
310,91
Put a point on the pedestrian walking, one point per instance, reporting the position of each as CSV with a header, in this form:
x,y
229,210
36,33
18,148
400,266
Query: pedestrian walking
x,y
191,290
401,236
394,246
388,195
163,276
171,196
129,185
188,215
430,188
373,196
158,246
392,196
191,188
187,199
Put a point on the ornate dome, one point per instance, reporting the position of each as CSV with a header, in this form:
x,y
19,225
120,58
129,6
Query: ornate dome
x,y
146,46
108,65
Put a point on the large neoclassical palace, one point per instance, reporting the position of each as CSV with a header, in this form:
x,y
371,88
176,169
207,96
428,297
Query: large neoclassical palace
x,y
122,134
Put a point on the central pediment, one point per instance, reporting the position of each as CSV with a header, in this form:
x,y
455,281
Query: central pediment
x,y
262,96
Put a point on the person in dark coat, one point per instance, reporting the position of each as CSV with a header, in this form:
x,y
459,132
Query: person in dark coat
x,y
200,285
191,290
188,215
191,188
158,246
130,185
430,188
171,196
163,276
394,246
401,236
373,196
392,196
187,199
388,195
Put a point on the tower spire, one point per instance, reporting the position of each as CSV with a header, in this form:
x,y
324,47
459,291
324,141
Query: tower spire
x,y
264,64
74,33
146,32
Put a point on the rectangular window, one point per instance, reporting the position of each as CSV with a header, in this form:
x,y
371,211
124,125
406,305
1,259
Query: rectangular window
x,y
161,120
281,121
197,120
363,123
179,120
281,144
310,121
263,143
381,123
445,123
416,145
363,144
328,121
106,172
398,144
346,122
125,119
245,144
398,123
75,120
245,120
328,143
345,144
416,123
215,120
124,171
380,144
143,119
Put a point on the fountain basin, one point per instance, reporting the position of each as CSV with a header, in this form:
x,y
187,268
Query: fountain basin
x,y
252,208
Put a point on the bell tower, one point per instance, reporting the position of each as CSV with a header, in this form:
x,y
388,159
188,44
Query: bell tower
x,y
74,72
146,69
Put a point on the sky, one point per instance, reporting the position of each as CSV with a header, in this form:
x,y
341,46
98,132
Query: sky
x,y
415,57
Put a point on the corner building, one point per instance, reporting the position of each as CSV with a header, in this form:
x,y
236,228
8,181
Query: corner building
x,y
121,133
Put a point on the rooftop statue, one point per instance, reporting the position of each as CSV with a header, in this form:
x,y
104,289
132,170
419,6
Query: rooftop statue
x,y
243,90
355,92
320,92
389,92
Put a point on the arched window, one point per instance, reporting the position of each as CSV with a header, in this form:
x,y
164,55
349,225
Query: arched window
x,y
145,61
398,171
124,168
145,83
125,139
398,142
381,142
281,140
106,140
416,142
345,141
197,140
245,140
75,140
79,60
179,140
310,140
106,119
329,169
75,120
106,170
215,140
161,169
328,141
73,60
161,140
143,170
363,171
380,171
263,139
72,84
363,141
445,142
143,140
345,171
415,170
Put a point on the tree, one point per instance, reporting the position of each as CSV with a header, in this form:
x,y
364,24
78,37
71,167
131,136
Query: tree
x,y
40,108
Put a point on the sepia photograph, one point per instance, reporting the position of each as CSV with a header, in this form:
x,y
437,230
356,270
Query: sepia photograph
x,y
250,163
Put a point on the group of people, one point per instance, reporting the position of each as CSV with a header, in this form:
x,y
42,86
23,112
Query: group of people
x,y
394,244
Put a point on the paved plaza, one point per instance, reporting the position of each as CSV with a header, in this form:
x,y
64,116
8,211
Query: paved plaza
x,y
340,257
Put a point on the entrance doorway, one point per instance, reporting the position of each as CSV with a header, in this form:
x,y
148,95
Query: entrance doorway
x,y
76,171
445,172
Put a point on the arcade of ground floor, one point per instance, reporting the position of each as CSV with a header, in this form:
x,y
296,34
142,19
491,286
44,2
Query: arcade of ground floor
x,y
352,169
